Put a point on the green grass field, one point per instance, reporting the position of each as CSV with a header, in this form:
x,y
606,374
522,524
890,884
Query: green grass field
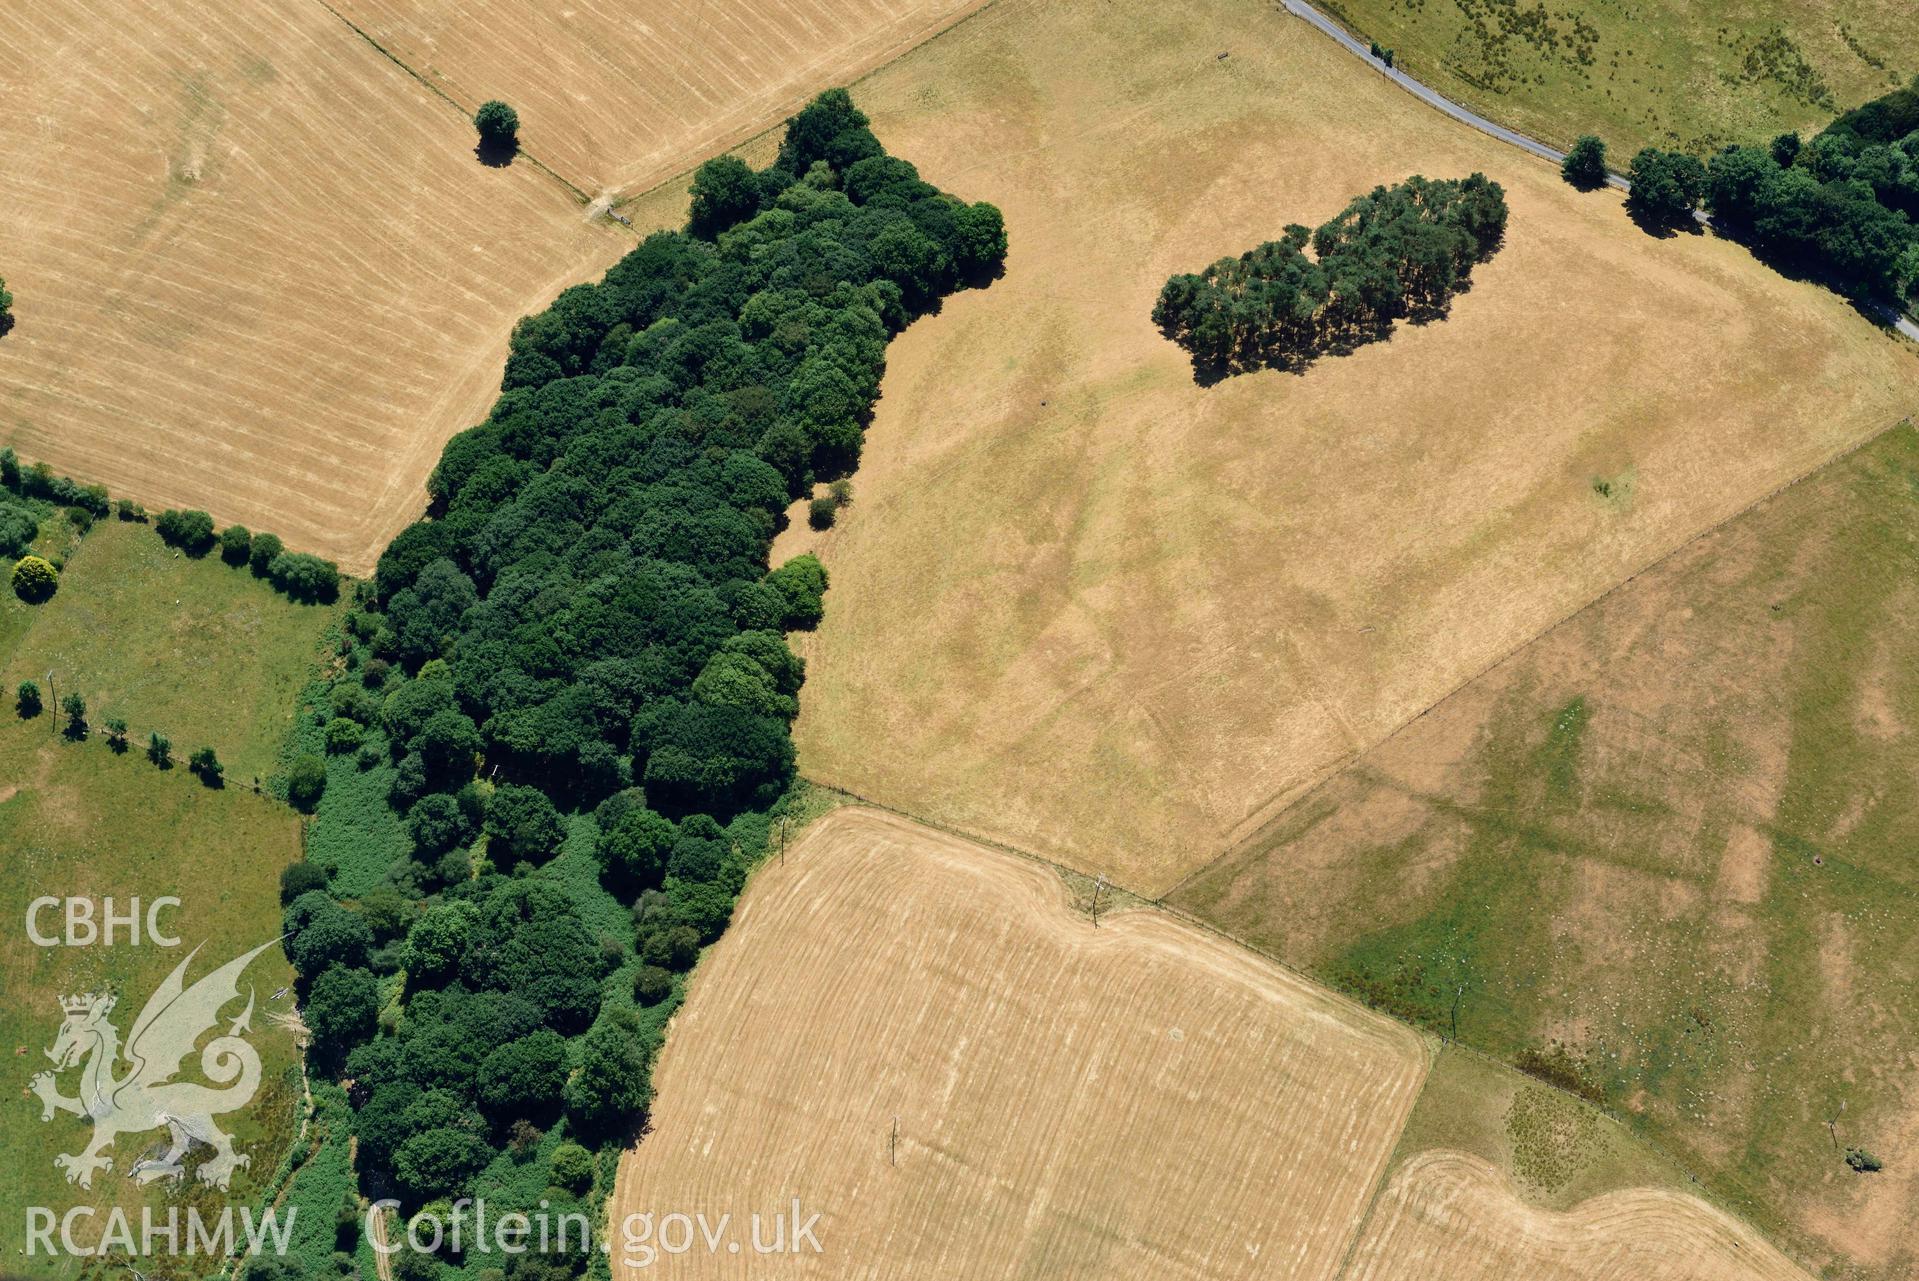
x,y
1668,848
203,652
207,654
1692,74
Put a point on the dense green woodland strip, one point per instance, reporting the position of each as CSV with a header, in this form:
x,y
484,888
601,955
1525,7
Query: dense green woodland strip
x,y
587,611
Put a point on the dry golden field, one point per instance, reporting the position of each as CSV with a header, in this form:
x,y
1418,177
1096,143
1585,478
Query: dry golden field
x,y
620,97
1136,1099
1086,607
257,266
1444,1214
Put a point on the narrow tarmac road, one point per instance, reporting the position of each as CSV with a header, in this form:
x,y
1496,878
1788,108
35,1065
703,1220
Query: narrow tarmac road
x,y
1439,101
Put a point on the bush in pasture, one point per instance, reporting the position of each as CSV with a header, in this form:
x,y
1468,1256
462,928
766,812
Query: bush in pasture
x,y
301,878
75,708
26,700
821,512
160,750
343,736
205,765
117,734
572,1167
34,579
652,984
304,577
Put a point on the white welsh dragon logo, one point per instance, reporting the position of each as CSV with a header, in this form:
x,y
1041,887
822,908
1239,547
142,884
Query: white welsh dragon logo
x,y
146,1097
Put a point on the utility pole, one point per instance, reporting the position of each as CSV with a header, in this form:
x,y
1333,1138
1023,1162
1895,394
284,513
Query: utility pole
x,y
1098,885
893,1143
1458,995
53,706
782,840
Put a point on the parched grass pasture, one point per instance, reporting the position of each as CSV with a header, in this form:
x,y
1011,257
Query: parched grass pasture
x,y
619,99
1690,74
1673,836
257,268
1087,607
1141,1098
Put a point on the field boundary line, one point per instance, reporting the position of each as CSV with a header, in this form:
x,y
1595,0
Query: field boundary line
x,y
1699,1189
747,135
447,98
1332,772
1392,1162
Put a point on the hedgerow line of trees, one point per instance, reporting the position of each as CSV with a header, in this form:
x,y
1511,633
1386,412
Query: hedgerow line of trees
x,y
1839,208
1400,251
588,610
300,576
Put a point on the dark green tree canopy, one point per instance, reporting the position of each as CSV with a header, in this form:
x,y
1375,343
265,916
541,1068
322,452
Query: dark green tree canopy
x,y
1585,165
1398,251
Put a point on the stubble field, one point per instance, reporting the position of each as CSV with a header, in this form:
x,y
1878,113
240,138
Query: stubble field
x,y
1139,1098
620,98
1087,607
257,266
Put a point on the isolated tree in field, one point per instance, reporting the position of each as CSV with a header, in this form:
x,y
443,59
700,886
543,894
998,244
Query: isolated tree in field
x,y
1585,165
498,126
1667,187
160,750
117,733
34,580
205,765
75,708
821,512
306,779
27,700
